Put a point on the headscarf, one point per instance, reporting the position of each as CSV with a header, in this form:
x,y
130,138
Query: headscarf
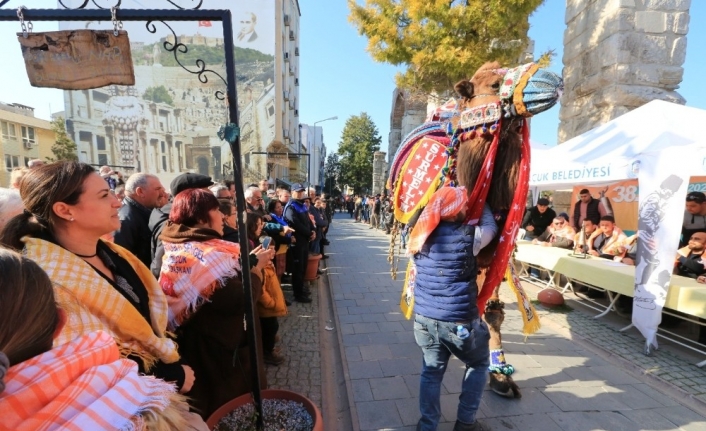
x,y
447,202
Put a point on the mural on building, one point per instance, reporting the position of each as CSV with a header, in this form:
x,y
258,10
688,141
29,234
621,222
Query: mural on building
x,y
167,122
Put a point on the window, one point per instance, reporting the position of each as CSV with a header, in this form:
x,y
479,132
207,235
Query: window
x,y
11,162
100,143
164,163
161,146
102,159
8,130
28,135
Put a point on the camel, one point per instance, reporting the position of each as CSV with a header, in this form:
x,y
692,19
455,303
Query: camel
x,y
485,135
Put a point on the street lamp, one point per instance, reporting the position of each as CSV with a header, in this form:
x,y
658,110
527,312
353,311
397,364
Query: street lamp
x,y
308,168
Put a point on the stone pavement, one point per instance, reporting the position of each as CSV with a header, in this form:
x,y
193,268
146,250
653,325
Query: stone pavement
x,y
575,374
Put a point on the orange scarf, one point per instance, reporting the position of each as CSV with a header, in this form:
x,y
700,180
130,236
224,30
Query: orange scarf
x,y
191,271
445,203
80,385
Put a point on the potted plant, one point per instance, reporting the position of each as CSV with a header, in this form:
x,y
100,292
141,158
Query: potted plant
x,y
267,394
312,267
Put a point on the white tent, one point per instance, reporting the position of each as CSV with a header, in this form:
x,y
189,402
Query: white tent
x,y
655,143
610,152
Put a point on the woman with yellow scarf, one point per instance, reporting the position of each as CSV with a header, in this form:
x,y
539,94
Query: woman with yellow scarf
x,y
102,286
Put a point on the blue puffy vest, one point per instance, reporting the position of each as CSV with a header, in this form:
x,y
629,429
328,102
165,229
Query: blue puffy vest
x,y
445,287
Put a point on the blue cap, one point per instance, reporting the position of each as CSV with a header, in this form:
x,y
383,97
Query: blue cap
x,y
297,187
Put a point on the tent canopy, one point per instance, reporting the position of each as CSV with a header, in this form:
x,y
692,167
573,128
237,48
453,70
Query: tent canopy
x,y
611,152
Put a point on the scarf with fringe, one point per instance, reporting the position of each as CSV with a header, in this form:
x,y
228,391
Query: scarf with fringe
x,y
92,304
447,202
192,270
81,385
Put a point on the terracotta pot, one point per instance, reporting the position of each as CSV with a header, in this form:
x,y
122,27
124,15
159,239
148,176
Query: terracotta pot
x,y
269,394
312,267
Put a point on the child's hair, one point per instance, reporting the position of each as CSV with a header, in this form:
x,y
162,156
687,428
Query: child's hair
x,y
28,311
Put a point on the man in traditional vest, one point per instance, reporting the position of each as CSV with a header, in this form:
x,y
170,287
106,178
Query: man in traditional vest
x,y
587,208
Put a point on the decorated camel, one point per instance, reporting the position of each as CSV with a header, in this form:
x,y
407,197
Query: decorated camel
x,y
479,141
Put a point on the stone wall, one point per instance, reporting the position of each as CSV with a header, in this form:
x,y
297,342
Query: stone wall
x,y
619,55
379,172
407,114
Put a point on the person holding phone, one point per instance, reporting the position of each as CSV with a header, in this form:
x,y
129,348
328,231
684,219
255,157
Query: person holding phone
x,y
271,303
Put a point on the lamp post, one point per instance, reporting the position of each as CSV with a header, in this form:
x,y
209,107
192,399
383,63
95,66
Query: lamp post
x,y
308,173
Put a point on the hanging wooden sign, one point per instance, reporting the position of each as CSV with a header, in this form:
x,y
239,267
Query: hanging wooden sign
x,y
77,59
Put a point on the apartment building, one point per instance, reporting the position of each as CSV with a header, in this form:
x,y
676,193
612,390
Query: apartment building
x,y
23,137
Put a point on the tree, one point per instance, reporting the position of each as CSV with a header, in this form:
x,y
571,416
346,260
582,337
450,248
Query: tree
x,y
359,140
64,148
442,41
332,172
158,95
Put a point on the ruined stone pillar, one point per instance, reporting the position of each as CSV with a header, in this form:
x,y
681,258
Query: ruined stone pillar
x,y
619,55
379,172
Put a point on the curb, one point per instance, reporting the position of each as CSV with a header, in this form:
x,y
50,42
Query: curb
x,y
344,415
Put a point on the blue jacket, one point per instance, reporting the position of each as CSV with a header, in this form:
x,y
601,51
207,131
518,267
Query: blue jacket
x,y
445,287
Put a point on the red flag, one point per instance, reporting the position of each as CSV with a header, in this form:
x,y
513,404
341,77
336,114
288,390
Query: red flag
x,y
204,23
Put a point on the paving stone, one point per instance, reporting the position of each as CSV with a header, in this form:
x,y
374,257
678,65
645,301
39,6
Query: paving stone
x,y
389,388
406,350
375,351
399,367
373,317
376,415
539,421
409,410
589,421
353,354
355,339
364,370
582,398
365,328
361,390
686,419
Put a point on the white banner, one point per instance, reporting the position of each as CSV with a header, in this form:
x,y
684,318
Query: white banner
x,y
662,195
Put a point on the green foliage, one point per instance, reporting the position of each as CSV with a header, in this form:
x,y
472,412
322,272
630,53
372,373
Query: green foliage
x,y
158,95
332,172
64,148
359,140
442,41
211,55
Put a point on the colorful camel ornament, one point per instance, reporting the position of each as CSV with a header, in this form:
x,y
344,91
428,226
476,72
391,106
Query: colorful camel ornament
x,y
479,141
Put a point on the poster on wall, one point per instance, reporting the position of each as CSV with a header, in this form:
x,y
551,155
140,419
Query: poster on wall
x,y
166,123
663,192
619,200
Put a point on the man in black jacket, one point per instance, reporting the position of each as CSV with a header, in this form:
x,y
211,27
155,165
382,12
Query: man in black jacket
x,y
160,216
587,208
689,261
297,217
538,219
143,193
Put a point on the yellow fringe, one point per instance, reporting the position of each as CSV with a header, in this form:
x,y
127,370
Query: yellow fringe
x,y
530,318
407,303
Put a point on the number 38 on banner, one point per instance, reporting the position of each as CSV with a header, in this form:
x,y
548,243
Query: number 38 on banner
x,y
625,193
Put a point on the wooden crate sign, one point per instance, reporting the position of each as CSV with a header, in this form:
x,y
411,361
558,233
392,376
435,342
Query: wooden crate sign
x,y
77,59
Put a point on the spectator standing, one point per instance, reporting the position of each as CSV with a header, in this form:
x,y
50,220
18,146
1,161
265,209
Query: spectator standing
x,y
587,207
375,216
537,219
284,196
297,217
101,285
201,275
690,259
255,203
143,193
220,191
283,239
159,216
264,188
694,216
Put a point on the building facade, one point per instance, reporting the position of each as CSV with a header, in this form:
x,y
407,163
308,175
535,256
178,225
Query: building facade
x,y
167,123
22,138
313,143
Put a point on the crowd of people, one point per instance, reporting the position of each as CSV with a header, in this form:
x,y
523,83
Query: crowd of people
x,y
368,209
150,281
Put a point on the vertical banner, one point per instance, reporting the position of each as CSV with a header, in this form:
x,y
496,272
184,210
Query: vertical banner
x,y
662,195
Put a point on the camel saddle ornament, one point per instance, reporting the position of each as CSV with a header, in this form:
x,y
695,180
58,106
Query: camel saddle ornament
x,y
480,141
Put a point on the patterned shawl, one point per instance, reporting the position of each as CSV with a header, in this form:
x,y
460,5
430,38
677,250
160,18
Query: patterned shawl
x,y
192,270
81,385
447,202
93,304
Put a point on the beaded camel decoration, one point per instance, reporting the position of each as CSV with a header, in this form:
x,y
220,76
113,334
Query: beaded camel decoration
x,y
479,141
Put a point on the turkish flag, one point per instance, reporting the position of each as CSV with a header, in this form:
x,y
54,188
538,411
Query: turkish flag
x,y
204,23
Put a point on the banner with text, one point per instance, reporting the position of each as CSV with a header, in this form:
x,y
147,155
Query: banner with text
x,y
619,199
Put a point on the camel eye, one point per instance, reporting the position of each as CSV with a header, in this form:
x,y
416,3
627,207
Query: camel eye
x,y
496,85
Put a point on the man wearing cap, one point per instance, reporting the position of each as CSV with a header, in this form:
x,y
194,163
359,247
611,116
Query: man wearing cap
x,y
538,219
160,215
143,193
694,216
297,217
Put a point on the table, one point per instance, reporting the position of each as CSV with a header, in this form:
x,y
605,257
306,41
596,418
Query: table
x,y
685,295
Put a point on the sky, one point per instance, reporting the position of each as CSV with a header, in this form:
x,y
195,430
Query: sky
x,y
339,78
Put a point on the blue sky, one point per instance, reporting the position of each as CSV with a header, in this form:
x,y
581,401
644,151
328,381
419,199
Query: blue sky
x,y
338,77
